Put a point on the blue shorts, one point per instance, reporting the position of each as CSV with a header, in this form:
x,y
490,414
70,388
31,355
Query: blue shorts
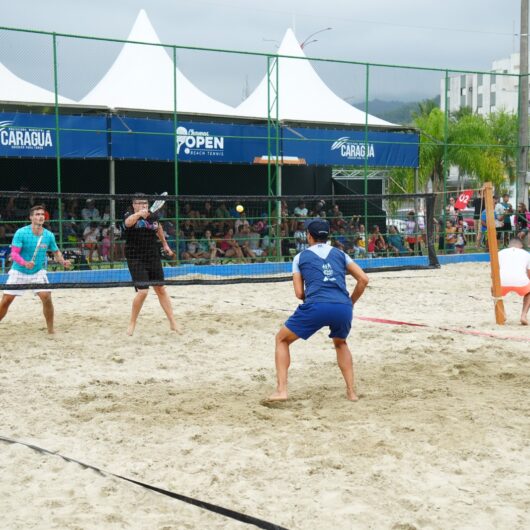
x,y
309,318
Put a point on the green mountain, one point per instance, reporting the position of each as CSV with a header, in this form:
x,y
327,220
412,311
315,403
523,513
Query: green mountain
x,y
400,112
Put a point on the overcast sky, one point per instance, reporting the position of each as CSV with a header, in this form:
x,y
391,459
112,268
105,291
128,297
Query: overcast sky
x,y
459,34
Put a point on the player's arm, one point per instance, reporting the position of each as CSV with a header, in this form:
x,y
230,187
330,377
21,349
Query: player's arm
x,y
298,281
362,280
135,217
162,238
59,258
298,285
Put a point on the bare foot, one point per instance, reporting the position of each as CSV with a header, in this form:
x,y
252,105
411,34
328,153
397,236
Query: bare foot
x,y
352,396
175,328
51,332
277,396
524,321
130,330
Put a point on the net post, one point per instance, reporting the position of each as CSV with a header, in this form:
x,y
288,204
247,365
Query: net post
x,y
500,317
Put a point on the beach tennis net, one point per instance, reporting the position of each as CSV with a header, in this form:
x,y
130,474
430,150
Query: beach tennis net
x,y
207,239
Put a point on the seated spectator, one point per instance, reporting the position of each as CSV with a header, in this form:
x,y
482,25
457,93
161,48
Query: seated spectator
x,y
257,245
261,226
222,212
396,244
229,246
340,239
335,217
208,245
300,237
193,249
187,228
300,210
242,221
242,239
359,251
376,243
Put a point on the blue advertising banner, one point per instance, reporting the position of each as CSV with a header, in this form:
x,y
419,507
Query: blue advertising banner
x,y
34,136
350,148
147,139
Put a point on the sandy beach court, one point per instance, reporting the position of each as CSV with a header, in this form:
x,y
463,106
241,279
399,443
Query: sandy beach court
x,y
439,438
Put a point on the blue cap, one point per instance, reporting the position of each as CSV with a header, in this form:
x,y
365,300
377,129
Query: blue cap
x,y
317,227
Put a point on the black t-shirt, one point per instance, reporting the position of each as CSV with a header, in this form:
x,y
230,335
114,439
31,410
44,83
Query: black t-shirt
x,y
141,240
479,206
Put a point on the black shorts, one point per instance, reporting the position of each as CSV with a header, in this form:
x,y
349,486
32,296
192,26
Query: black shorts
x,y
145,271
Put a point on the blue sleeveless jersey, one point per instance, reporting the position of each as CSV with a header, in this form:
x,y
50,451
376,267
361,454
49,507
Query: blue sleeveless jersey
x,y
324,277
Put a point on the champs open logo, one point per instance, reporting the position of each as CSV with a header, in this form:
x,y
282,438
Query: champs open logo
x,y
199,142
16,137
353,150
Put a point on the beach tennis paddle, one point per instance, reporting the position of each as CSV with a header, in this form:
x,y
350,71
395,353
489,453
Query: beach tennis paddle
x,y
35,252
158,204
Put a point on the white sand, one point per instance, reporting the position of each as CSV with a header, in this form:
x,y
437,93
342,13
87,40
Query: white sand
x,y
440,438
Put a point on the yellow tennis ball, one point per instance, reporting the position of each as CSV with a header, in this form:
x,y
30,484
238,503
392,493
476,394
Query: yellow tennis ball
x,y
240,208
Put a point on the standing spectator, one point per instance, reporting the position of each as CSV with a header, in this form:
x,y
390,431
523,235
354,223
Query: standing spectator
x,y
411,233
478,206
507,218
89,213
91,236
460,242
450,211
450,237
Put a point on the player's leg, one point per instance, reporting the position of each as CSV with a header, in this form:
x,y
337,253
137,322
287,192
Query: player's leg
x,y
524,312
138,302
47,309
345,362
282,358
165,302
6,301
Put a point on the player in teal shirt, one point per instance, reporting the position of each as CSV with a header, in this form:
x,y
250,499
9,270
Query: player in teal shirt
x,y
28,252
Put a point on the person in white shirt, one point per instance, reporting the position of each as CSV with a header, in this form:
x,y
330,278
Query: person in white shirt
x,y
514,263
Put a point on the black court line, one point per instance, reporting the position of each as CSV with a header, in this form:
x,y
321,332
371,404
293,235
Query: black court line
x,y
248,519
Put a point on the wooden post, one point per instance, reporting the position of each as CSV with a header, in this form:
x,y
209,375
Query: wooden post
x,y
500,317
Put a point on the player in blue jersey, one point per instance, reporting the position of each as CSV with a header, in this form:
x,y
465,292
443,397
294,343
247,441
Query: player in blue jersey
x,y
28,252
319,279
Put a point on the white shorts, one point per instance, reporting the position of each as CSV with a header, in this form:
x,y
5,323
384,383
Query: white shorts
x,y
19,278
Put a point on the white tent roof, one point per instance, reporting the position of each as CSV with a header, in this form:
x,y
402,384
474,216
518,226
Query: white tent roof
x,y
142,78
13,88
303,96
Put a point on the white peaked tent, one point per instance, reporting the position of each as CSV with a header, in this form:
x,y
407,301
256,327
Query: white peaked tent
x,y
142,78
302,94
15,89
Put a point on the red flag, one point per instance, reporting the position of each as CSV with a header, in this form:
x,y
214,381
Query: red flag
x,y
463,199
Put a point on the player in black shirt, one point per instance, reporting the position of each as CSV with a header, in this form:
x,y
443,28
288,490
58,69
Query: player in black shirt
x,y
143,230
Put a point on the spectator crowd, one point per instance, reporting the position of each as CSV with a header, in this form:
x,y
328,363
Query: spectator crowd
x,y
215,232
